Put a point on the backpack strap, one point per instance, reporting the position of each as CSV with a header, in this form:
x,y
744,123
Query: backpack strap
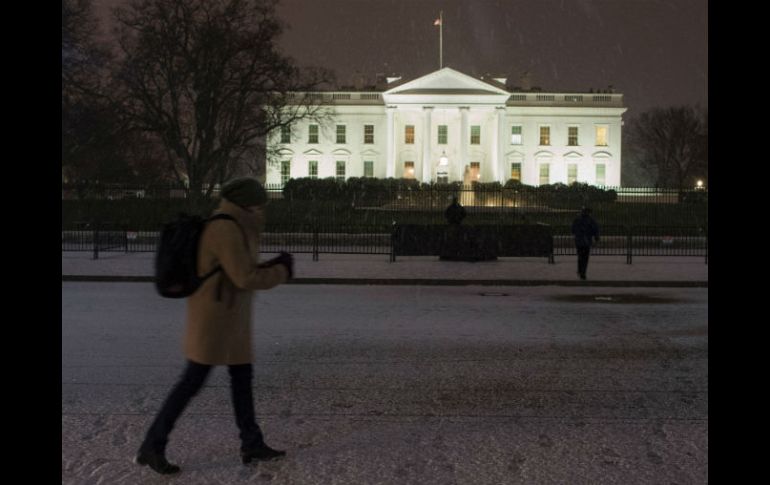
x,y
227,217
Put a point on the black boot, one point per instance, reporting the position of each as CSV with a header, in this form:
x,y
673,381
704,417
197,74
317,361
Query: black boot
x,y
261,453
156,461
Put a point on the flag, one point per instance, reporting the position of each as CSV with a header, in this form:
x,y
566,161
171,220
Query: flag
x,y
437,22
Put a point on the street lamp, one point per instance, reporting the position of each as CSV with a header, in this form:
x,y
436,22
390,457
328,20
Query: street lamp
x,y
699,185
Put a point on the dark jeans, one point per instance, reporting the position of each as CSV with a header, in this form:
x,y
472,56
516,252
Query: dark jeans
x,y
583,253
189,384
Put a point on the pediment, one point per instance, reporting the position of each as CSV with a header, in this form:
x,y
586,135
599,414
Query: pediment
x,y
341,151
312,151
370,152
602,154
446,81
573,154
514,154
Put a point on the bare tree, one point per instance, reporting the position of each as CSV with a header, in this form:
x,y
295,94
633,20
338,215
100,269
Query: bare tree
x,y
96,143
207,78
671,143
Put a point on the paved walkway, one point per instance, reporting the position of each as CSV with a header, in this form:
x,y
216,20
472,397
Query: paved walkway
x,y
669,271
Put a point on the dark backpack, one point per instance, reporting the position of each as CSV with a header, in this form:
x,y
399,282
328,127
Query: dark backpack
x,y
176,261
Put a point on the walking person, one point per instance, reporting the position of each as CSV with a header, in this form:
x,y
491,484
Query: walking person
x,y
218,327
586,232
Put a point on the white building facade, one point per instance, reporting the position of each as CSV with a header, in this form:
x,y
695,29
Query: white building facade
x,y
448,126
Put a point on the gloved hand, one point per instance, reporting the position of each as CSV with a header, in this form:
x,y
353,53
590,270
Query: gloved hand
x,y
287,260
283,258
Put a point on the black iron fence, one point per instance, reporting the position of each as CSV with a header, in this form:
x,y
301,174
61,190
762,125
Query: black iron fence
x,y
628,241
403,203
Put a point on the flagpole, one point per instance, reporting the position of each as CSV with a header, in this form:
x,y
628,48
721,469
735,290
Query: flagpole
x,y
441,39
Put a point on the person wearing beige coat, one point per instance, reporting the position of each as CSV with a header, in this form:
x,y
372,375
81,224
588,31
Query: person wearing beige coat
x,y
218,327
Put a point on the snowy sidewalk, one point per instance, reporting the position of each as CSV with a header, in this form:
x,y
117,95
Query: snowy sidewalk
x,y
377,269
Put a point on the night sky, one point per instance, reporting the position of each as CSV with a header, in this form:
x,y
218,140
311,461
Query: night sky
x,y
655,52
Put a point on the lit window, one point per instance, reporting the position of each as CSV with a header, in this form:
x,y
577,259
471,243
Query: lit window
x,y
602,135
516,135
475,171
516,171
545,135
408,170
409,134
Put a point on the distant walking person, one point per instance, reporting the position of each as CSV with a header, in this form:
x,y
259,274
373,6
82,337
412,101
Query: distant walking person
x,y
586,232
219,321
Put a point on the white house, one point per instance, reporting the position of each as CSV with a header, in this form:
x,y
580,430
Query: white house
x,y
448,126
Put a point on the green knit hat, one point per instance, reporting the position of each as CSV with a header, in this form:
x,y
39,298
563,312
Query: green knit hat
x,y
244,191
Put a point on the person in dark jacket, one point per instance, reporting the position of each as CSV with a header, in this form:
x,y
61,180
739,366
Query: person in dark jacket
x,y
454,213
219,316
586,232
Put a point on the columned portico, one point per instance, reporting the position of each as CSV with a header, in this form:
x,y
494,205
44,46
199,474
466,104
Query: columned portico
x,y
498,151
390,149
463,141
427,164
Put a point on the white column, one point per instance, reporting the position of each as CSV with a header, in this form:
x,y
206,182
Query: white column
x,y
427,165
390,150
464,134
499,148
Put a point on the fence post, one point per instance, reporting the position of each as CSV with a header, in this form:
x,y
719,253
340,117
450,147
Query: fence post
x,y
96,240
125,237
393,244
707,248
315,242
629,245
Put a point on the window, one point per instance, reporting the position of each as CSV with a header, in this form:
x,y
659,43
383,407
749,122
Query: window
x,y
442,134
340,133
285,171
368,168
408,170
600,171
475,135
312,169
409,135
312,134
516,171
571,173
286,134
368,134
516,135
572,136
602,134
544,173
340,170
545,135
